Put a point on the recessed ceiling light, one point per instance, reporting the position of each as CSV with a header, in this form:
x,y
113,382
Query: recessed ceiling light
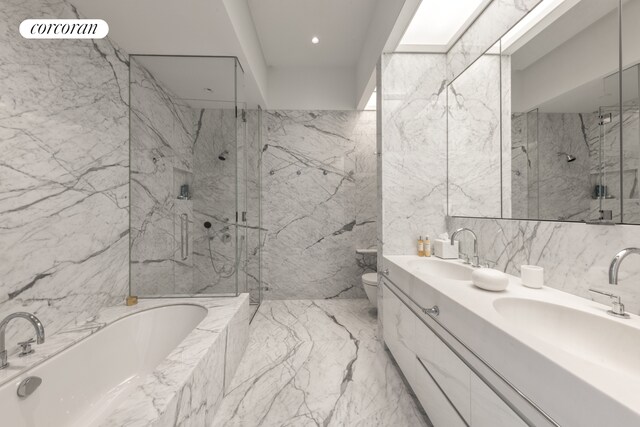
x,y
315,40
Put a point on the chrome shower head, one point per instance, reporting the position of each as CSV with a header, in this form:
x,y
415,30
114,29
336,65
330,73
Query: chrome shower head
x,y
569,157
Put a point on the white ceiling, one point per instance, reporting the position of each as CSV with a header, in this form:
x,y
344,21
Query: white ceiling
x,y
438,23
201,82
185,27
270,38
285,29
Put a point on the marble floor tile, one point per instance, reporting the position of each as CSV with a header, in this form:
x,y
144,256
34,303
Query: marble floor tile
x,y
317,362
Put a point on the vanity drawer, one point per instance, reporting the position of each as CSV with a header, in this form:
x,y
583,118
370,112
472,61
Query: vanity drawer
x,y
488,409
399,331
440,411
452,374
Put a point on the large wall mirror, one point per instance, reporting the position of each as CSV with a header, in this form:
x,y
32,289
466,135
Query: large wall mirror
x,y
541,126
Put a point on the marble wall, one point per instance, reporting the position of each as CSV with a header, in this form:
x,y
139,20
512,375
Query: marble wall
x,y
64,123
215,193
575,256
474,140
318,206
547,187
413,145
556,190
163,132
254,232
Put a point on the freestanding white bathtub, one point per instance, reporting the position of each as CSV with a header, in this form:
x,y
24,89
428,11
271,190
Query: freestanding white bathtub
x,y
107,371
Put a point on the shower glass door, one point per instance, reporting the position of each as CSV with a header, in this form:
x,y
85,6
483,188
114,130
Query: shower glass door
x,y
189,177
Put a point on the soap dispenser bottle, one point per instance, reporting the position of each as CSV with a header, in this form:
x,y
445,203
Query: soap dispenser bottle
x,y
420,247
427,247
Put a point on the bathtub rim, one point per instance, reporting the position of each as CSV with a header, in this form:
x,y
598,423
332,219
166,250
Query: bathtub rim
x,y
89,332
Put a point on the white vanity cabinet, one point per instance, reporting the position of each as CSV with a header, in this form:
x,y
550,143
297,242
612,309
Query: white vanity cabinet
x,y
488,410
447,370
451,394
399,326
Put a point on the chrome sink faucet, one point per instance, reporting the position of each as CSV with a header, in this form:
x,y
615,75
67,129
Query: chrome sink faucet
x,y
617,308
37,324
475,260
617,260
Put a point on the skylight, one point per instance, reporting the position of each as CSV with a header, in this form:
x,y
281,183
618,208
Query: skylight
x,y
440,22
371,104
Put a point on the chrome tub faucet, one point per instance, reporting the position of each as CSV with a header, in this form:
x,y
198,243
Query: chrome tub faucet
x,y
35,322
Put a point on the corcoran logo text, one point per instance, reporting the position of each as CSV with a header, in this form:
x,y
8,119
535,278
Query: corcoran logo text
x,y
64,29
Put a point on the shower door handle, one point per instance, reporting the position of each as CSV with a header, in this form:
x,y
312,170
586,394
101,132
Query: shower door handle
x,y
184,236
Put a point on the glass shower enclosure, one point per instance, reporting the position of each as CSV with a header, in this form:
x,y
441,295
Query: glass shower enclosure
x,y
195,222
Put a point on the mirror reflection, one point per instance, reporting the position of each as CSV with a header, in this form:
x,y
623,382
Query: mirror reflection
x,y
546,141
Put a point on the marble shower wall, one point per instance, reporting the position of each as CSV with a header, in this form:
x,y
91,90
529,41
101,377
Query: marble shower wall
x,y
318,205
547,187
173,144
214,200
64,172
413,147
631,147
163,132
255,234
556,189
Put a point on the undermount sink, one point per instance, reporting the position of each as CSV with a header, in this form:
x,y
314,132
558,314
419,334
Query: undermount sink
x,y
439,268
605,342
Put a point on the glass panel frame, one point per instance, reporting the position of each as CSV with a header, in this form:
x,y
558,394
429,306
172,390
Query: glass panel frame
x,y
146,126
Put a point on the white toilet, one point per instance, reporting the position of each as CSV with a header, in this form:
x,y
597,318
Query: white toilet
x,y
370,285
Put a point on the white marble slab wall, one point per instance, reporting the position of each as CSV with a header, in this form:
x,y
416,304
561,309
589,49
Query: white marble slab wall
x,y
163,131
474,140
521,165
496,19
565,188
255,234
505,108
413,141
318,206
214,200
550,188
64,172
412,147
575,256
631,186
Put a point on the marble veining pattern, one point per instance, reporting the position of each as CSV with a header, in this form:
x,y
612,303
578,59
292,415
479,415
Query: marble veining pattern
x,y
474,140
575,256
550,188
64,172
413,139
318,181
187,387
317,363
162,137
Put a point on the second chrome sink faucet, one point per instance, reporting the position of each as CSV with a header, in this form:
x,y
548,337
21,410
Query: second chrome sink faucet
x,y
618,308
475,260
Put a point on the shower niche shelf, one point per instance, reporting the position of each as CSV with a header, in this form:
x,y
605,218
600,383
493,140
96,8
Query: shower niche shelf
x,y
181,178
